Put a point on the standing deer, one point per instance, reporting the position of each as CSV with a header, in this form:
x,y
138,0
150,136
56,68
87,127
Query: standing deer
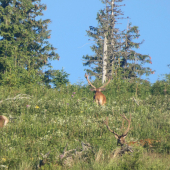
x,y
120,138
99,97
3,121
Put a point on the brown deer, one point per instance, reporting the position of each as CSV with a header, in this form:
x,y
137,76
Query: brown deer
x,y
99,97
145,142
120,138
3,121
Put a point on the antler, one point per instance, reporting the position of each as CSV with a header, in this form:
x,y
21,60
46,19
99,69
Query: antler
x,y
86,76
129,121
120,138
105,84
106,123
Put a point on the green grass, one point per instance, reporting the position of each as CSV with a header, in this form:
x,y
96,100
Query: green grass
x,y
48,119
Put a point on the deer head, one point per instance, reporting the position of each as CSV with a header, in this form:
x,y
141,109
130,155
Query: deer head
x,y
3,121
120,138
99,97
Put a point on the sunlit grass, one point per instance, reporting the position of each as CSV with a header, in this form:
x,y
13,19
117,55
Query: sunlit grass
x,y
47,119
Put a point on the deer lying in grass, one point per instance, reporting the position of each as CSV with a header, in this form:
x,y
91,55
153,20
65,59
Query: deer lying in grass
x,y
3,121
145,143
120,138
99,97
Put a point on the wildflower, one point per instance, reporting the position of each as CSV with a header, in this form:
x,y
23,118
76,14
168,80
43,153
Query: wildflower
x,y
67,103
3,159
61,156
153,72
37,107
74,92
28,106
165,90
72,96
150,62
150,57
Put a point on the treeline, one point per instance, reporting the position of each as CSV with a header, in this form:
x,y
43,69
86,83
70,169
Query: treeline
x,y
24,46
25,50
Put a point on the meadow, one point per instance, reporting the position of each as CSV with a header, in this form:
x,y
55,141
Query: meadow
x,y
45,120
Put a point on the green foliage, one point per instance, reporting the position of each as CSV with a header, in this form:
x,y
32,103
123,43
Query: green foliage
x,y
46,119
56,77
121,46
132,161
160,88
24,47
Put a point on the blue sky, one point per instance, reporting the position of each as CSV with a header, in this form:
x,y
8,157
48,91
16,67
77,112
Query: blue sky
x,y
71,18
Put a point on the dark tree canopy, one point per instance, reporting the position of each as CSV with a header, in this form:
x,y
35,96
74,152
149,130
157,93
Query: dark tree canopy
x,y
24,46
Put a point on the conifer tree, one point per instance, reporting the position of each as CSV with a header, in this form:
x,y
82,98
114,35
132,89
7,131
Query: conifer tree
x,y
57,78
114,48
24,46
131,61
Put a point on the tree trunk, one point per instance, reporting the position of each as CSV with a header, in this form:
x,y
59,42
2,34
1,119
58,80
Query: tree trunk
x,y
104,60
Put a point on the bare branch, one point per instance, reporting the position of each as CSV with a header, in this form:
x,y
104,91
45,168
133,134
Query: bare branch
x,y
135,101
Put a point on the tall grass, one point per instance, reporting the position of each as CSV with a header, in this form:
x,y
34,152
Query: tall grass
x,y
47,119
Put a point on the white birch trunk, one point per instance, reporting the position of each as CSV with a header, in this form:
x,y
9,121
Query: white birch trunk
x,y
112,39
104,60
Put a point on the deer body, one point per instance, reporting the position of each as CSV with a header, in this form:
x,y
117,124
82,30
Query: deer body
x,y
99,97
3,121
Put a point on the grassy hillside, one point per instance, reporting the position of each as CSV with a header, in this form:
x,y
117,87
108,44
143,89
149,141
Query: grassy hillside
x,y
48,119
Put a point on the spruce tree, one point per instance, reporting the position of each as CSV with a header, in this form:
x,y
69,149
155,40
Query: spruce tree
x,y
114,48
24,46
131,61
57,78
